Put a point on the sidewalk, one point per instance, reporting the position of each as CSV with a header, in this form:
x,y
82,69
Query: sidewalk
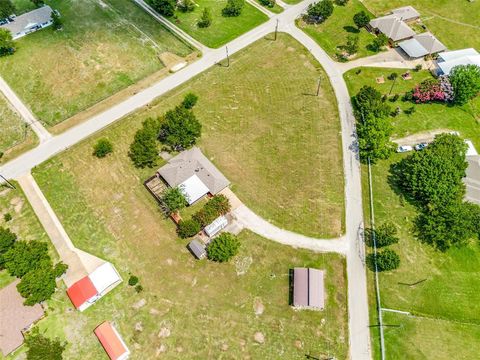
x,y
80,263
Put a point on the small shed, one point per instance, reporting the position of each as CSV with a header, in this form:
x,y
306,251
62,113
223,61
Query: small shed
x,y
216,226
197,249
308,289
112,342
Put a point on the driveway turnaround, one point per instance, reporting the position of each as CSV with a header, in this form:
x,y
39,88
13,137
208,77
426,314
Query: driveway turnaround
x,y
351,245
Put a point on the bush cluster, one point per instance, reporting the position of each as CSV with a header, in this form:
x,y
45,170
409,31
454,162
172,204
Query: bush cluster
x,y
223,247
218,205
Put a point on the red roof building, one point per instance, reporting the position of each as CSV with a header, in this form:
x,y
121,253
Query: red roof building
x,y
111,341
81,292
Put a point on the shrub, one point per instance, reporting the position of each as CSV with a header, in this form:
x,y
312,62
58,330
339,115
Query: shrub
x,y
139,288
465,80
7,217
361,19
447,88
385,234
186,6
395,98
6,8
189,101
418,67
352,44
392,76
233,8
223,247
173,199
268,3
143,150
188,228
319,12
57,23
41,347
206,19
132,280
164,7
218,205
427,91
341,2
7,239
380,41
386,260
102,148
7,46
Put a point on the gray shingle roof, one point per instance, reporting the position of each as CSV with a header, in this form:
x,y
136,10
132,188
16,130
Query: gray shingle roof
x,y
29,20
193,162
197,249
406,13
393,27
421,45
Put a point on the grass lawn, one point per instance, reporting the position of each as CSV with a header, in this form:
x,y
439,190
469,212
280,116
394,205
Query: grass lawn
x,y
104,47
223,29
110,214
277,9
12,127
279,146
335,30
292,2
454,22
427,116
446,302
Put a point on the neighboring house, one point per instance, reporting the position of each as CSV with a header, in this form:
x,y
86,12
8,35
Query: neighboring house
x,y
111,341
393,27
308,289
472,179
29,22
448,60
194,174
15,318
421,45
89,289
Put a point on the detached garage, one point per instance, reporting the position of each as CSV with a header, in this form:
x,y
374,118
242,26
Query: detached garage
x,y
308,289
111,341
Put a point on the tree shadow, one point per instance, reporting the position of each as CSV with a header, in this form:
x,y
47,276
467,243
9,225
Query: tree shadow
x,y
351,29
290,287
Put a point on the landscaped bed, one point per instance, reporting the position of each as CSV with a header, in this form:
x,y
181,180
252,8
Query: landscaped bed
x,y
104,47
334,31
223,29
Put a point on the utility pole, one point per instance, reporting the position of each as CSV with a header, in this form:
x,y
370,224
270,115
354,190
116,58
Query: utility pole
x,y
228,57
8,182
276,30
319,83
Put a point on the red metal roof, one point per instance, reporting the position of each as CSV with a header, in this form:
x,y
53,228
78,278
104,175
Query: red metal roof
x,y
111,341
81,291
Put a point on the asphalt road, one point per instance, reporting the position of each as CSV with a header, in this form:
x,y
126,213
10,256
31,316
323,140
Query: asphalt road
x,y
359,335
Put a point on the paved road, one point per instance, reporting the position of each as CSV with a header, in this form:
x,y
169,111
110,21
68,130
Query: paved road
x,y
24,112
359,335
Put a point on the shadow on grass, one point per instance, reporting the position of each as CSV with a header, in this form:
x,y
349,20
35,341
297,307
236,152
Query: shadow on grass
x,y
351,29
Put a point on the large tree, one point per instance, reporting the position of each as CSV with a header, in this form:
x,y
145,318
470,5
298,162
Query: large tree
x,y
433,176
7,239
386,260
42,348
6,42
173,199
144,149
320,11
24,257
361,19
465,80
180,129
223,247
369,102
233,8
450,225
164,7
6,9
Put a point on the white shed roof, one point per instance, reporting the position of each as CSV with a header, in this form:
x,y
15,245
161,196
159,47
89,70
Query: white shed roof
x,y
455,54
104,276
217,225
471,151
447,66
193,188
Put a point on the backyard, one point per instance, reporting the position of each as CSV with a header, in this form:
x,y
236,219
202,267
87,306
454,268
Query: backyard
x,y
440,290
105,46
454,22
335,30
223,29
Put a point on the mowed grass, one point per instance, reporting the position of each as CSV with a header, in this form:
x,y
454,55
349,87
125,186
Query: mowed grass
x,y
454,22
12,127
445,300
333,33
103,48
110,214
426,116
223,29
278,145
277,9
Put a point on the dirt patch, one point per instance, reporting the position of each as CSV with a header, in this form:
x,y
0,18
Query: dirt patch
x,y
258,307
426,136
17,204
169,59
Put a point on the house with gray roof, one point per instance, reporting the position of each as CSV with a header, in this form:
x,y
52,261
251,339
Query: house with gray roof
x,y
194,174
421,45
29,22
406,13
392,26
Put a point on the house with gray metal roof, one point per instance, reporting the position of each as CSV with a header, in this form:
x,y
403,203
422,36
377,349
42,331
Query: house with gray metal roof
x,y
194,174
29,22
421,45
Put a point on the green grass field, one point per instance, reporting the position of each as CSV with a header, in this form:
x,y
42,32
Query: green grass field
x,y
276,143
454,22
12,127
335,30
103,48
223,29
277,9
445,301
